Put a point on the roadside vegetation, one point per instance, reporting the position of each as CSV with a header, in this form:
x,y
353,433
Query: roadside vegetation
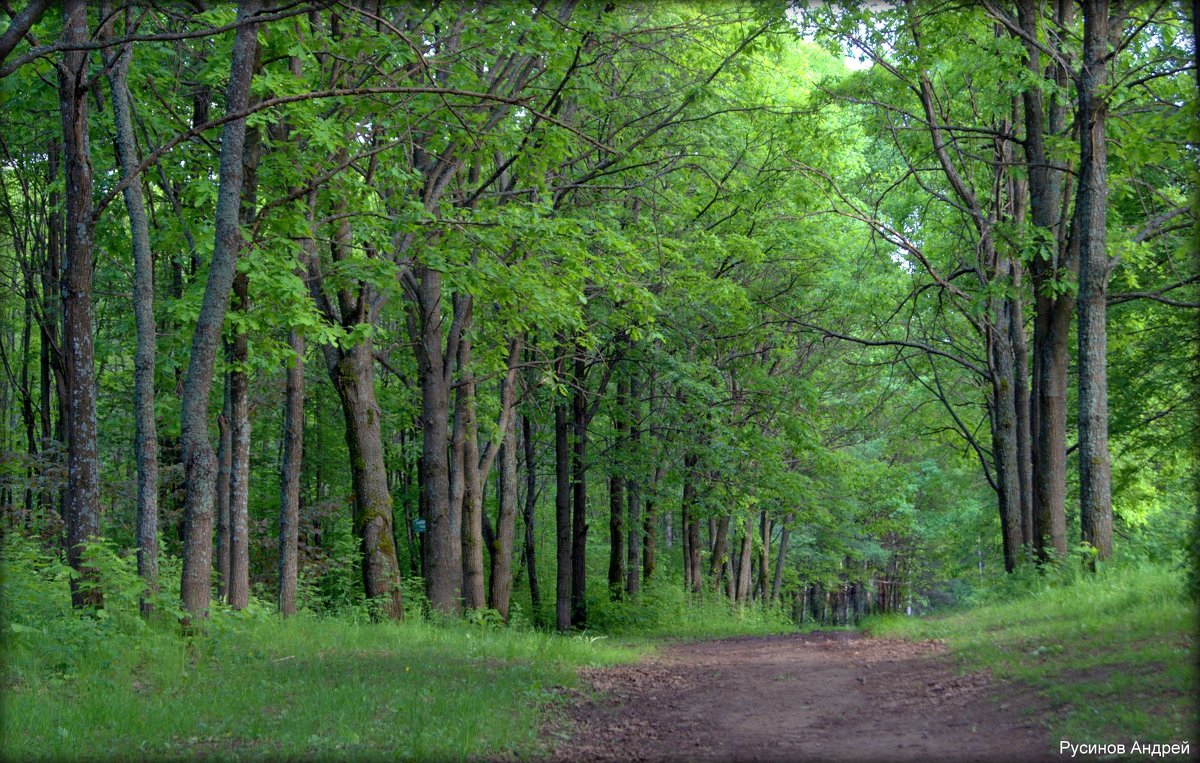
x,y
1111,655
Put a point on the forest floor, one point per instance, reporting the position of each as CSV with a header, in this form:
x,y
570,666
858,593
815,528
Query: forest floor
x,y
836,695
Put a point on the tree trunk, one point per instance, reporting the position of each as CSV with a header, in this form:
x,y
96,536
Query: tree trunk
x,y
474,593
1053,306
764,556
784,535
691,526
1091,208
562,515
289,477
502,581
83,473
1021,399
650,529
744,560
353,378
579,526
198,459
238,587
145,425
616,498
535,594
1004,434
443,542
224,467
720,553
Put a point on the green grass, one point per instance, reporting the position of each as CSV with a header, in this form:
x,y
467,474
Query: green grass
x,y
250,685
262,687
1112,656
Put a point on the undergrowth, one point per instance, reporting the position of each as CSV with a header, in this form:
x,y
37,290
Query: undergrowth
x,y
333,681
1112,654
110,684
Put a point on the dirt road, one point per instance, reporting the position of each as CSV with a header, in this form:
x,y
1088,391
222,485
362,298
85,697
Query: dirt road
x,y
819,696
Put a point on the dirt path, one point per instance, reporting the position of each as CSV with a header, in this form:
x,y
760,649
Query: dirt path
x,y
819,696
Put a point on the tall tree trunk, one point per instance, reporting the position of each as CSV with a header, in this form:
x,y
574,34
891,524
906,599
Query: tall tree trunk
x,y
353,378
764,556
720,552
1091,208
562,515
443,542
1053,306
784,535
633,488
289,476
1004,434
535,593
83,473
474,593
198,459
744,561
650,529
145,426
502,581
616,498
1021,400
691,526
685,520
238,588
579,526
224,467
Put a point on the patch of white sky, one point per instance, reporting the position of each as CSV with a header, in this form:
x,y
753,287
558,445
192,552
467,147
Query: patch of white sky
x,y
854,59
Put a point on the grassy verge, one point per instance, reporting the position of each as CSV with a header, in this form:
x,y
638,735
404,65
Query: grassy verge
x,y
249,685
1113,655
261,687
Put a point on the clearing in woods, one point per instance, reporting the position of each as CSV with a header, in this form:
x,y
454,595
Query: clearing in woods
x,y
815,696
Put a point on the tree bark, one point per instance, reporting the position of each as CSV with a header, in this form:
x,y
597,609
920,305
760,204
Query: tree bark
x,y
1004,433
535,593
83,473
145,425
1021,399
579,526
691,526
616,498
289,477
1053,306
562,515
784,536
198,459
744,561
353,378
474,594
764,556
650,529
720,554
237,590
506,517
20,25
224,467
1091,208
443,543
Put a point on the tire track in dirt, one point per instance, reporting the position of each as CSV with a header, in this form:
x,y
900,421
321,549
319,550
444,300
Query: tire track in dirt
x,y
816,696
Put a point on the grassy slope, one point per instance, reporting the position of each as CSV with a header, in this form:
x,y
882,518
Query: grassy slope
x,y
1113,655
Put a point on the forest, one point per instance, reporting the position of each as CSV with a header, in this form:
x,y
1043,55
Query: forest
x,y
522,336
